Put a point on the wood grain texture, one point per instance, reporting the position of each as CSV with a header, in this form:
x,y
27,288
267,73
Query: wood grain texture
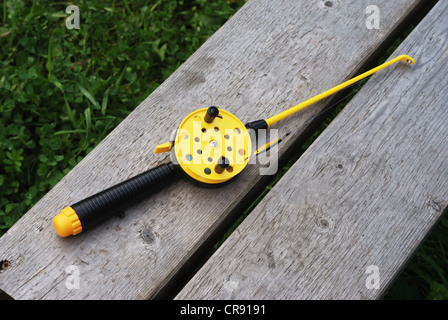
x,y
365,193
269,56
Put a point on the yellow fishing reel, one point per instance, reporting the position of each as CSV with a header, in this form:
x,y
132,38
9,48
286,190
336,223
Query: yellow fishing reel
x,y
211,146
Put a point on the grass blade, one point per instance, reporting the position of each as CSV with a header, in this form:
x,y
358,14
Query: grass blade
x,y
89,96
104,102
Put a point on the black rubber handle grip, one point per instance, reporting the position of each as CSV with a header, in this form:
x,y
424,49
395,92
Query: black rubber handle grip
x,y
97,208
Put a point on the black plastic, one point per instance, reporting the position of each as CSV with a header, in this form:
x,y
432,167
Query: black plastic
x,y
211,114
97,208
258,124
223,164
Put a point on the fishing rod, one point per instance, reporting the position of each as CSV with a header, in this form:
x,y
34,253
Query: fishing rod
x,y
211,146
270,144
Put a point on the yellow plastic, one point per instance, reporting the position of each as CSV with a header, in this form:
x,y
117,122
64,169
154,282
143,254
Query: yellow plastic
x,y
199,145
303,105
164,147
67,223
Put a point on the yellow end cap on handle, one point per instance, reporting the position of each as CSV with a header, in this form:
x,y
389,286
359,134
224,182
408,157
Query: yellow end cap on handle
x,y
67,223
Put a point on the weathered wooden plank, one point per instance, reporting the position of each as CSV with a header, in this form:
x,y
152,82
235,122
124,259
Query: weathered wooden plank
x,y
269,56
364,194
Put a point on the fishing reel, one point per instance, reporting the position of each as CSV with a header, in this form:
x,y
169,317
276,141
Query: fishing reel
x,y
211,146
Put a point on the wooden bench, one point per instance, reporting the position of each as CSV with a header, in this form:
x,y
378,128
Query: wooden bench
x,y
365,193
359,201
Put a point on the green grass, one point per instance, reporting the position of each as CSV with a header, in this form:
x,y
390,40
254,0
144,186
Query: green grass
x,y
62,91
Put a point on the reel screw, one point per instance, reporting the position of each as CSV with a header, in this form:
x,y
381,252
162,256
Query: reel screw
x,y
222,165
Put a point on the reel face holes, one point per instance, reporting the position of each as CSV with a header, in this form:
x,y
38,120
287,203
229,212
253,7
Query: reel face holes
x,y
199,146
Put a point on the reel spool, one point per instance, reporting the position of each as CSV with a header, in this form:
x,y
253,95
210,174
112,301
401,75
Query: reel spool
x,y
211,146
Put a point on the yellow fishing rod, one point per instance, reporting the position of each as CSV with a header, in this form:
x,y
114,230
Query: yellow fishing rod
x,y
211,146
263,124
